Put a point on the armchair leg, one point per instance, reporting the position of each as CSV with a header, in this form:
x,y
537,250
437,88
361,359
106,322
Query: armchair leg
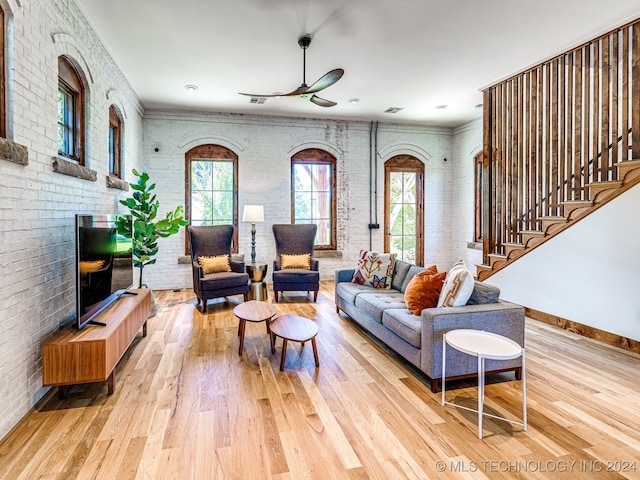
x,y
246,297
315,296
275,295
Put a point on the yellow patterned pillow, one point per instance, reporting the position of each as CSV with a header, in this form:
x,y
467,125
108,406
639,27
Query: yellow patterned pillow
x,y
302,260
216,264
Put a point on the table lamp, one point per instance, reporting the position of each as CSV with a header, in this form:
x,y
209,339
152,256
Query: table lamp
x,y
253,214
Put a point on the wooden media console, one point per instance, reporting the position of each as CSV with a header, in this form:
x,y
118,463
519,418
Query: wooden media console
x,y
91,354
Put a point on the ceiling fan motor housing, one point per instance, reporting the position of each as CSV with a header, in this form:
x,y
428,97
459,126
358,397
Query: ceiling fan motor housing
x,y
304,41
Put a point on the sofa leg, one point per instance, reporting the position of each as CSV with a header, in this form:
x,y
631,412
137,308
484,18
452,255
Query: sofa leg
x,y
434,385
337,309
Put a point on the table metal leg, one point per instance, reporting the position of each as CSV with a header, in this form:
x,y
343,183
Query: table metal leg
x,y
524,394
480,394
444,363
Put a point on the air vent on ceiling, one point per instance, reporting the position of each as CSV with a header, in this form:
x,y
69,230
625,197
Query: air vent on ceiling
x,y
393,109
258,100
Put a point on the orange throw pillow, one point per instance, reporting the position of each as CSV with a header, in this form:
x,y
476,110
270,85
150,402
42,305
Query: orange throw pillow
x,y
423,290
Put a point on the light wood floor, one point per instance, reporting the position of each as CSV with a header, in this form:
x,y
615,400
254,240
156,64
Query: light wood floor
x,y
186,406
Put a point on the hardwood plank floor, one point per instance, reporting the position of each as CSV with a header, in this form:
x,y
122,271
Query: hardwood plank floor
x,y
186,406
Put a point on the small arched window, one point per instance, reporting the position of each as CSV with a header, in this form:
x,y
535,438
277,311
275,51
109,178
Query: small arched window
x,y
71,114
115,143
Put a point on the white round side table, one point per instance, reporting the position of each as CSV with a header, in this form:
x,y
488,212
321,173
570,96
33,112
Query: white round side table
x,y
484,345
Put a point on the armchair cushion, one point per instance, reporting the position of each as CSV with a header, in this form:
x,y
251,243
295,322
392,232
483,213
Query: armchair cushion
x,y
214,264
299,261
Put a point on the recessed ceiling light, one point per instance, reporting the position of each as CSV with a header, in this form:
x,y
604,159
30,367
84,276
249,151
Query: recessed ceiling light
x,y
441,107
191,88
354,100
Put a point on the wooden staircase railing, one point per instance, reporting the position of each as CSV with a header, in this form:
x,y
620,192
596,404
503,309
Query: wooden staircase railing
x,y
560,139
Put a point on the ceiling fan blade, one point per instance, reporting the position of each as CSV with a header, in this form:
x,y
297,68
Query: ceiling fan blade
x,y
258,95
322,102
326,80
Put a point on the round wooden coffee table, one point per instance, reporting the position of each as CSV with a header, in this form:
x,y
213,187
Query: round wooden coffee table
x,y
253,311
296,329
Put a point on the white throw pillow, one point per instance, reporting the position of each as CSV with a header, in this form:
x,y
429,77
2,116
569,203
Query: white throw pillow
x,y
458,286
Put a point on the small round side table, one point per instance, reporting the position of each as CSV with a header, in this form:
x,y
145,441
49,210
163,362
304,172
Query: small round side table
x,y
296,329
257,287
484,345
253,311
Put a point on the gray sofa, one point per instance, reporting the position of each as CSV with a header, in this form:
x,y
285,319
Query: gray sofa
x,y
418,339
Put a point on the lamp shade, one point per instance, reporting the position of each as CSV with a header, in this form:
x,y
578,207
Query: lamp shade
x,y
253,213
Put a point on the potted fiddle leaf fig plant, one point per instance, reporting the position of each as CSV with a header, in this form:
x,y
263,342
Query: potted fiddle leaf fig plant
x,y
145,230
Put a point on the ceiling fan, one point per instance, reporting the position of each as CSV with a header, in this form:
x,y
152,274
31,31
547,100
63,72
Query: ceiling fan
x,y
305,91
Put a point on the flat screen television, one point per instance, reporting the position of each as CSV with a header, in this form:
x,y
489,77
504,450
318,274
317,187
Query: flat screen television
x,y
104,264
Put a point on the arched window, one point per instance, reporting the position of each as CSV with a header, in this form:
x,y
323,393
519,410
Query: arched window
x,y
115,143
212,187
71,113
313,186
404,207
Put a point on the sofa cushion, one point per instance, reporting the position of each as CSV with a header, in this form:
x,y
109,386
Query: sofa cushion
x,y
374,269
423,291
416,269
348,291
404,324
375,304
483,293
399,274
457,286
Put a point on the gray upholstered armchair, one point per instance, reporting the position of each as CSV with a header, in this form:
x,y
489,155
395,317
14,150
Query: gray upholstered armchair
x,y
212,241
295,240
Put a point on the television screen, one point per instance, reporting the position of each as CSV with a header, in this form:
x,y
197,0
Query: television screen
x,y
104,268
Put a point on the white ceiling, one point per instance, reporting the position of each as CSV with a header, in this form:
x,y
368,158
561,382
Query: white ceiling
x,y
414,54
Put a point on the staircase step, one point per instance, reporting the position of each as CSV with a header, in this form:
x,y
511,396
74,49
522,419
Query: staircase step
x,y
482,270
512,247
573,208
626,167
528,235
600,187
546,222
496,257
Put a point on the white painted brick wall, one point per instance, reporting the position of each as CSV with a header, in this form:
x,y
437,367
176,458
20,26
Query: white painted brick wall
x,y
37,206
264,146
466,145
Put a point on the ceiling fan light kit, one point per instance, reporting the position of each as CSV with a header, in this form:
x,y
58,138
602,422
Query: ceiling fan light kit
x,y
309,92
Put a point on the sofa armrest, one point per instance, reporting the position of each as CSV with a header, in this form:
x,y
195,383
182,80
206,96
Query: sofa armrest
x,y
503,318
344,274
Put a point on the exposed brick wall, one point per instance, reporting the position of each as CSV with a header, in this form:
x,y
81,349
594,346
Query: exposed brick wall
x,y
264,146
37,205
